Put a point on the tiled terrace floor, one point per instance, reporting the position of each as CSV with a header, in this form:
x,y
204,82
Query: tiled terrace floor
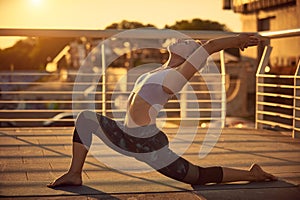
x,y
32,157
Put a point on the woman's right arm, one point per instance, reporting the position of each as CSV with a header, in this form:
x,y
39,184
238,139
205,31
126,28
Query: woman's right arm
x,y
240,41
197,59
177,79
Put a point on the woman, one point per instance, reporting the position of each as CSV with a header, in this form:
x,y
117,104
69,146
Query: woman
x,y
140,138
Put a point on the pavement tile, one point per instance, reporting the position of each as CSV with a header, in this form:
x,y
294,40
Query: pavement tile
x,y
65,137
153,196
39,160
47,142
12,167
29,140
8,148
30,158
12,153
35,152
253,194
15,160
59,151
40,175
15,176
60,166
2,166
5,141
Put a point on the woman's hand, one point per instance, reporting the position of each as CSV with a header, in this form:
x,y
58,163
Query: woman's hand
x,y
245,40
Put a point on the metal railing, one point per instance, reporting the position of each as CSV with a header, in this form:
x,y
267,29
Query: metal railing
x,y
47,99
38,104
277,95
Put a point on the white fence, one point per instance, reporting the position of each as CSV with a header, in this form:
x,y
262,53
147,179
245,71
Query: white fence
x,y
277,96
49,99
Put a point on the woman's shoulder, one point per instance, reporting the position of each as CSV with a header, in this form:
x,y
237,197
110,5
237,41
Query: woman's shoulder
x,y
153,73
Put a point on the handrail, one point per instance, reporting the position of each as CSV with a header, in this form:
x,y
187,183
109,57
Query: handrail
x,y
150,33
271,89
280,33
145,33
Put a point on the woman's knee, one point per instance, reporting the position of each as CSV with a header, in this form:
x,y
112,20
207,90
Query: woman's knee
x,y
86,121
86,115
210,175
85,124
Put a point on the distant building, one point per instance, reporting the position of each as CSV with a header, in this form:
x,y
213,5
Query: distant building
x,y
271,15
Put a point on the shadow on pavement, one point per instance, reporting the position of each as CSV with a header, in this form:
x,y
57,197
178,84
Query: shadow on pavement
x,y
85,190
275,190
245,185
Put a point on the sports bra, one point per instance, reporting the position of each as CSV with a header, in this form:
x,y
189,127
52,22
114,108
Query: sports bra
x,y
149,86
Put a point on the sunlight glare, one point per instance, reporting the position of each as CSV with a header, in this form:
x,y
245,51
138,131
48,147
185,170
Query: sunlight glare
x,y
36,2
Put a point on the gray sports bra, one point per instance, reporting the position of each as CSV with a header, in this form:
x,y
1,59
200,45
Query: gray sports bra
x,y
149,86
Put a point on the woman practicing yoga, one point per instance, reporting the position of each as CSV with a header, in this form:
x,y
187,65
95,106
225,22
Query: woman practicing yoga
x,y
139,136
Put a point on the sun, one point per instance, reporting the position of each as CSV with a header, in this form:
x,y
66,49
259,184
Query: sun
x,y
36,2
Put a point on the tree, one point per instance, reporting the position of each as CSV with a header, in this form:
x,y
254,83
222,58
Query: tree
x,y
31,53
45,49
198,24
16,57
128,25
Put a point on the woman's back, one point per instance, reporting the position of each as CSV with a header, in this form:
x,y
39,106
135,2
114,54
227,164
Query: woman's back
x,y
147,98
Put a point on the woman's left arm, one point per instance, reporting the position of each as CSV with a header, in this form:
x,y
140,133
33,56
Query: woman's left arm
x,y
241,41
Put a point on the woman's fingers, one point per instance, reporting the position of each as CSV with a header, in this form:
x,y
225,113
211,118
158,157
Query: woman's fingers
x,y
249,41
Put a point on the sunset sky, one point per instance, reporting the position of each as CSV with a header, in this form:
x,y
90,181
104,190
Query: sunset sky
x,y
97,14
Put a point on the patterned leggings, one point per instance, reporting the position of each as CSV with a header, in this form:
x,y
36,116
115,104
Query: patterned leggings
x,y
151,147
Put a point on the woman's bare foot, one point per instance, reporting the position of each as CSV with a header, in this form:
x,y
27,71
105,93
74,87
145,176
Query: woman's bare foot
x,y
258,174
67,179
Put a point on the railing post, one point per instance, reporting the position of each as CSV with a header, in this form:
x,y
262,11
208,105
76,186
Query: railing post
x,y
260,71
103,79
223,80
296,109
